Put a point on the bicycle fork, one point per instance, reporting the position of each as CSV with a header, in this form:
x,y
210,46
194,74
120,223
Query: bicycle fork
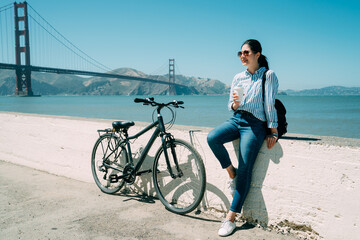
x,y
169,139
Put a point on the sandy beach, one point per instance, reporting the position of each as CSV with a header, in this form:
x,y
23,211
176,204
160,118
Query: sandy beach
x,y
305,187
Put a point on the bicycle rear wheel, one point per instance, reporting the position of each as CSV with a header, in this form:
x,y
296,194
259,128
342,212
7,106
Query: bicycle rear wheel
x,y
106,153
180,194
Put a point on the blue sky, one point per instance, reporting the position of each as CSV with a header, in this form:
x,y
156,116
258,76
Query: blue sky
x,y
309,44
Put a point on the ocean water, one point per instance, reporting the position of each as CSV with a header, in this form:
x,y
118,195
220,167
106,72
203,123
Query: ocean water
x,y
324,115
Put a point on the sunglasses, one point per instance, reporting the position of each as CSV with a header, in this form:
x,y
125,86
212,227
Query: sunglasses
x,y
246,53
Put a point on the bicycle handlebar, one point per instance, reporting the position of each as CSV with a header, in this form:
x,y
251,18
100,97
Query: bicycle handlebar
x,y
139,100
151,101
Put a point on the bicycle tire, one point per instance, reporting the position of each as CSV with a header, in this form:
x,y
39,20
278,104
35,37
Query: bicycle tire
x,y
102,148
182,194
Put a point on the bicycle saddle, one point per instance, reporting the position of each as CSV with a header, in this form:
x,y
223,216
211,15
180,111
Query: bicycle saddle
x,y
122,124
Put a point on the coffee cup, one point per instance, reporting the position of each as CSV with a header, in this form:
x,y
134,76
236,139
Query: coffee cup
x,y
240,92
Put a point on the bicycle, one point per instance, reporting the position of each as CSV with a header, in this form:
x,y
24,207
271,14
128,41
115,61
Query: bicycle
x,y
178,171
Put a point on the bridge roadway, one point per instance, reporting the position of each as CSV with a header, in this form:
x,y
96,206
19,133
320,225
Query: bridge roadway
x,y
85,73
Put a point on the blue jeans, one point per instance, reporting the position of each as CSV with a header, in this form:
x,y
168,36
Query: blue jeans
x,y
251,132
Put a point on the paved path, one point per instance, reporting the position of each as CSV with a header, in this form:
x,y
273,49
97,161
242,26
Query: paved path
x,y
38,205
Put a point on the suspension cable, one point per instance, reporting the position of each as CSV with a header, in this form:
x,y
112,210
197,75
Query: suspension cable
x,y
103,67
162,67
178,69
10,5
64,44
5,32
7,39
1,39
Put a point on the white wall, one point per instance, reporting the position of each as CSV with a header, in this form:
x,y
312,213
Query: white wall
x,y
303,182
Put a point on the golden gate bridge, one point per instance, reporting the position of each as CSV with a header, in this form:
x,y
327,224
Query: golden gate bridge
x,y
49,47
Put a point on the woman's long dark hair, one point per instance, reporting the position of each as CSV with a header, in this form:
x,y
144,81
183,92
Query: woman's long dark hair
x,y
255,47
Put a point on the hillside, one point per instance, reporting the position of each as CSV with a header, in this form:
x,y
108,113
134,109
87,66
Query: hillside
x,y
326,91
59,84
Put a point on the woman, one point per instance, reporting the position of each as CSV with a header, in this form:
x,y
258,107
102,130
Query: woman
x,y
248,124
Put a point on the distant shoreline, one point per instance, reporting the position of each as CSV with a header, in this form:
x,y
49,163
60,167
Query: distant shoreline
x,y
55,85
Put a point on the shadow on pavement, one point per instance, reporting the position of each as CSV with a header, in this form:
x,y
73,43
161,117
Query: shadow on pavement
x,y
137,197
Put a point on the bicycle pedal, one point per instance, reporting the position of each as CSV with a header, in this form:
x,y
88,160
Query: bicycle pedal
x,y
113,178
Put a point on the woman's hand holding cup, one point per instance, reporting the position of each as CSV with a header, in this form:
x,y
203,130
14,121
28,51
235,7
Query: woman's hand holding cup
x,y
236,102
239,92
237,96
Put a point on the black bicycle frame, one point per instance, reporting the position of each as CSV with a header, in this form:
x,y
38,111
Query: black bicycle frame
x,y
160,130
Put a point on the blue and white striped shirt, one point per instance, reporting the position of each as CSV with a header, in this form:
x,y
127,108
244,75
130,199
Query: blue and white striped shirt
x,y
252,99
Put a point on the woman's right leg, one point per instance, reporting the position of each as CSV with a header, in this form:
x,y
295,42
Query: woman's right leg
x,y
220,135
224,133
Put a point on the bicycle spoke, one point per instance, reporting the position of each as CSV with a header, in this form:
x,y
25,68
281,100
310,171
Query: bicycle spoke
x,y
106,151
180,194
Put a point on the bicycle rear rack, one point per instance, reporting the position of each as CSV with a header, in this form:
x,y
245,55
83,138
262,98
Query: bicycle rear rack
x,y
107,130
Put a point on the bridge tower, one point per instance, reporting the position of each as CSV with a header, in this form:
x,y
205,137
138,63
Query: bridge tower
x,y
171,76
22,51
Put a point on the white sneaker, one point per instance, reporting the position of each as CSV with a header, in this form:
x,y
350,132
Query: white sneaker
x,y
231,185
226,228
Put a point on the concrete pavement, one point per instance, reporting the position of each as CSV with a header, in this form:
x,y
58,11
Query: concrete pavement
x,y
39,205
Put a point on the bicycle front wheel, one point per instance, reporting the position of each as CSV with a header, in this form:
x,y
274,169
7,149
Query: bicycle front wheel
x,y
183,192
108,158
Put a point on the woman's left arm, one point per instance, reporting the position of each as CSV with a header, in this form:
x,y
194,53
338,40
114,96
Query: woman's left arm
x,y
271,89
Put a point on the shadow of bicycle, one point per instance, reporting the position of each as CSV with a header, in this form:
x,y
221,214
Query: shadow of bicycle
x,y
179,191
132,196
254,209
